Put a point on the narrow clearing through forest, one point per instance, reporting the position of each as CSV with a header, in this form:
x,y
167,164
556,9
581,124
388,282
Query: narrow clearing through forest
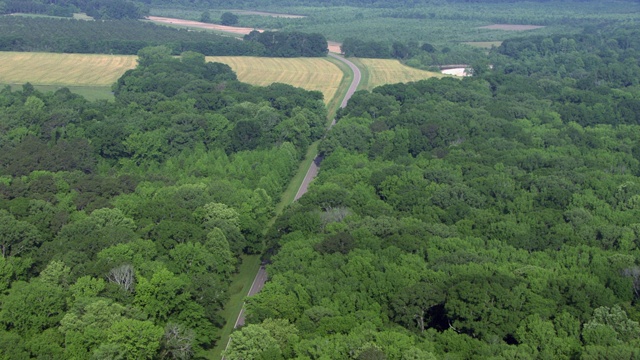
x,y
261,277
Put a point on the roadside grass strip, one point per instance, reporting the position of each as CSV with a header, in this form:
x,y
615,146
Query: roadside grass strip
x,y
317,74
387,71
63,69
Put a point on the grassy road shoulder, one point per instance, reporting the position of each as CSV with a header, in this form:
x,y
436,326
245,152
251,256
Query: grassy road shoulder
x,y
239,288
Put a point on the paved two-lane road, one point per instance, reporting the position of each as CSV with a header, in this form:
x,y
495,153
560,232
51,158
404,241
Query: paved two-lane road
x,y
256,286
357,76
315,165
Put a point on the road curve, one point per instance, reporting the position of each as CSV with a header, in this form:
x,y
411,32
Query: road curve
x,y
315,165
357,76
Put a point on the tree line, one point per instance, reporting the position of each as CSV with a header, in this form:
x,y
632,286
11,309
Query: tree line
x,y
98,9
290,44
127,37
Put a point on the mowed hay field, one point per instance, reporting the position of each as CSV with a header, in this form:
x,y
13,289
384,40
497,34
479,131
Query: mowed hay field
x,y
376,72
308,73
63,69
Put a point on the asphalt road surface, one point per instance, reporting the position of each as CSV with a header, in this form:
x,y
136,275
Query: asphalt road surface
x,y
258,284
315,165
357,76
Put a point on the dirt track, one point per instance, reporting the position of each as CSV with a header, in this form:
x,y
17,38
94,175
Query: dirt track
x,y
510,27
334,47
201,25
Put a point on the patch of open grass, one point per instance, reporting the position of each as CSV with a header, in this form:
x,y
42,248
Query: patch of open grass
x,y
82,16
77,16
317,74
88,92
239,288
376,72
288,196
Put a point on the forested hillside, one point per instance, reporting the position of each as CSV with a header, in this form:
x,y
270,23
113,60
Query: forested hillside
x,y
122,222
494,217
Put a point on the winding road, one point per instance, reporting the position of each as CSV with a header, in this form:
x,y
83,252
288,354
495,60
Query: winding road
x,y
315,165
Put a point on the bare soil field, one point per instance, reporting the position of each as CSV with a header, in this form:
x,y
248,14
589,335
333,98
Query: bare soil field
x,y
201,25
334,47
510,27
265,13
308,73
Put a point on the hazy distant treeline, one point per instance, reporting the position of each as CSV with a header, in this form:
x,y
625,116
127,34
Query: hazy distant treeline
x,y
127,37
98,9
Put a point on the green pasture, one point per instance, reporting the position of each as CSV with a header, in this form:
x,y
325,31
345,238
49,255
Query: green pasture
x,y
89,92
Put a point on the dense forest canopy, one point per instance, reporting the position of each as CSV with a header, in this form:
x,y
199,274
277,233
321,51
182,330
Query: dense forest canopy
x,y
122,222
490,217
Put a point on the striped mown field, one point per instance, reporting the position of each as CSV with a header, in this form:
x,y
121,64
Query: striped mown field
x,y
376,72
308,73
63,69
93,70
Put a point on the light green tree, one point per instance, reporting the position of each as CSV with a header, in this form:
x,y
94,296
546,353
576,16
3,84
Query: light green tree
x,y
136,339
252,342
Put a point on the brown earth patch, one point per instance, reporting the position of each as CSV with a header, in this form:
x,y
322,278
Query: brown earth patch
x,y
201,25
334,47
511,27
265,13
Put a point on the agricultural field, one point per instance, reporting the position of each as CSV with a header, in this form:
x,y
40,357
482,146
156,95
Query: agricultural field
x,y
438,24
92,75
308,73
376,72
63,69
87,74
96,73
